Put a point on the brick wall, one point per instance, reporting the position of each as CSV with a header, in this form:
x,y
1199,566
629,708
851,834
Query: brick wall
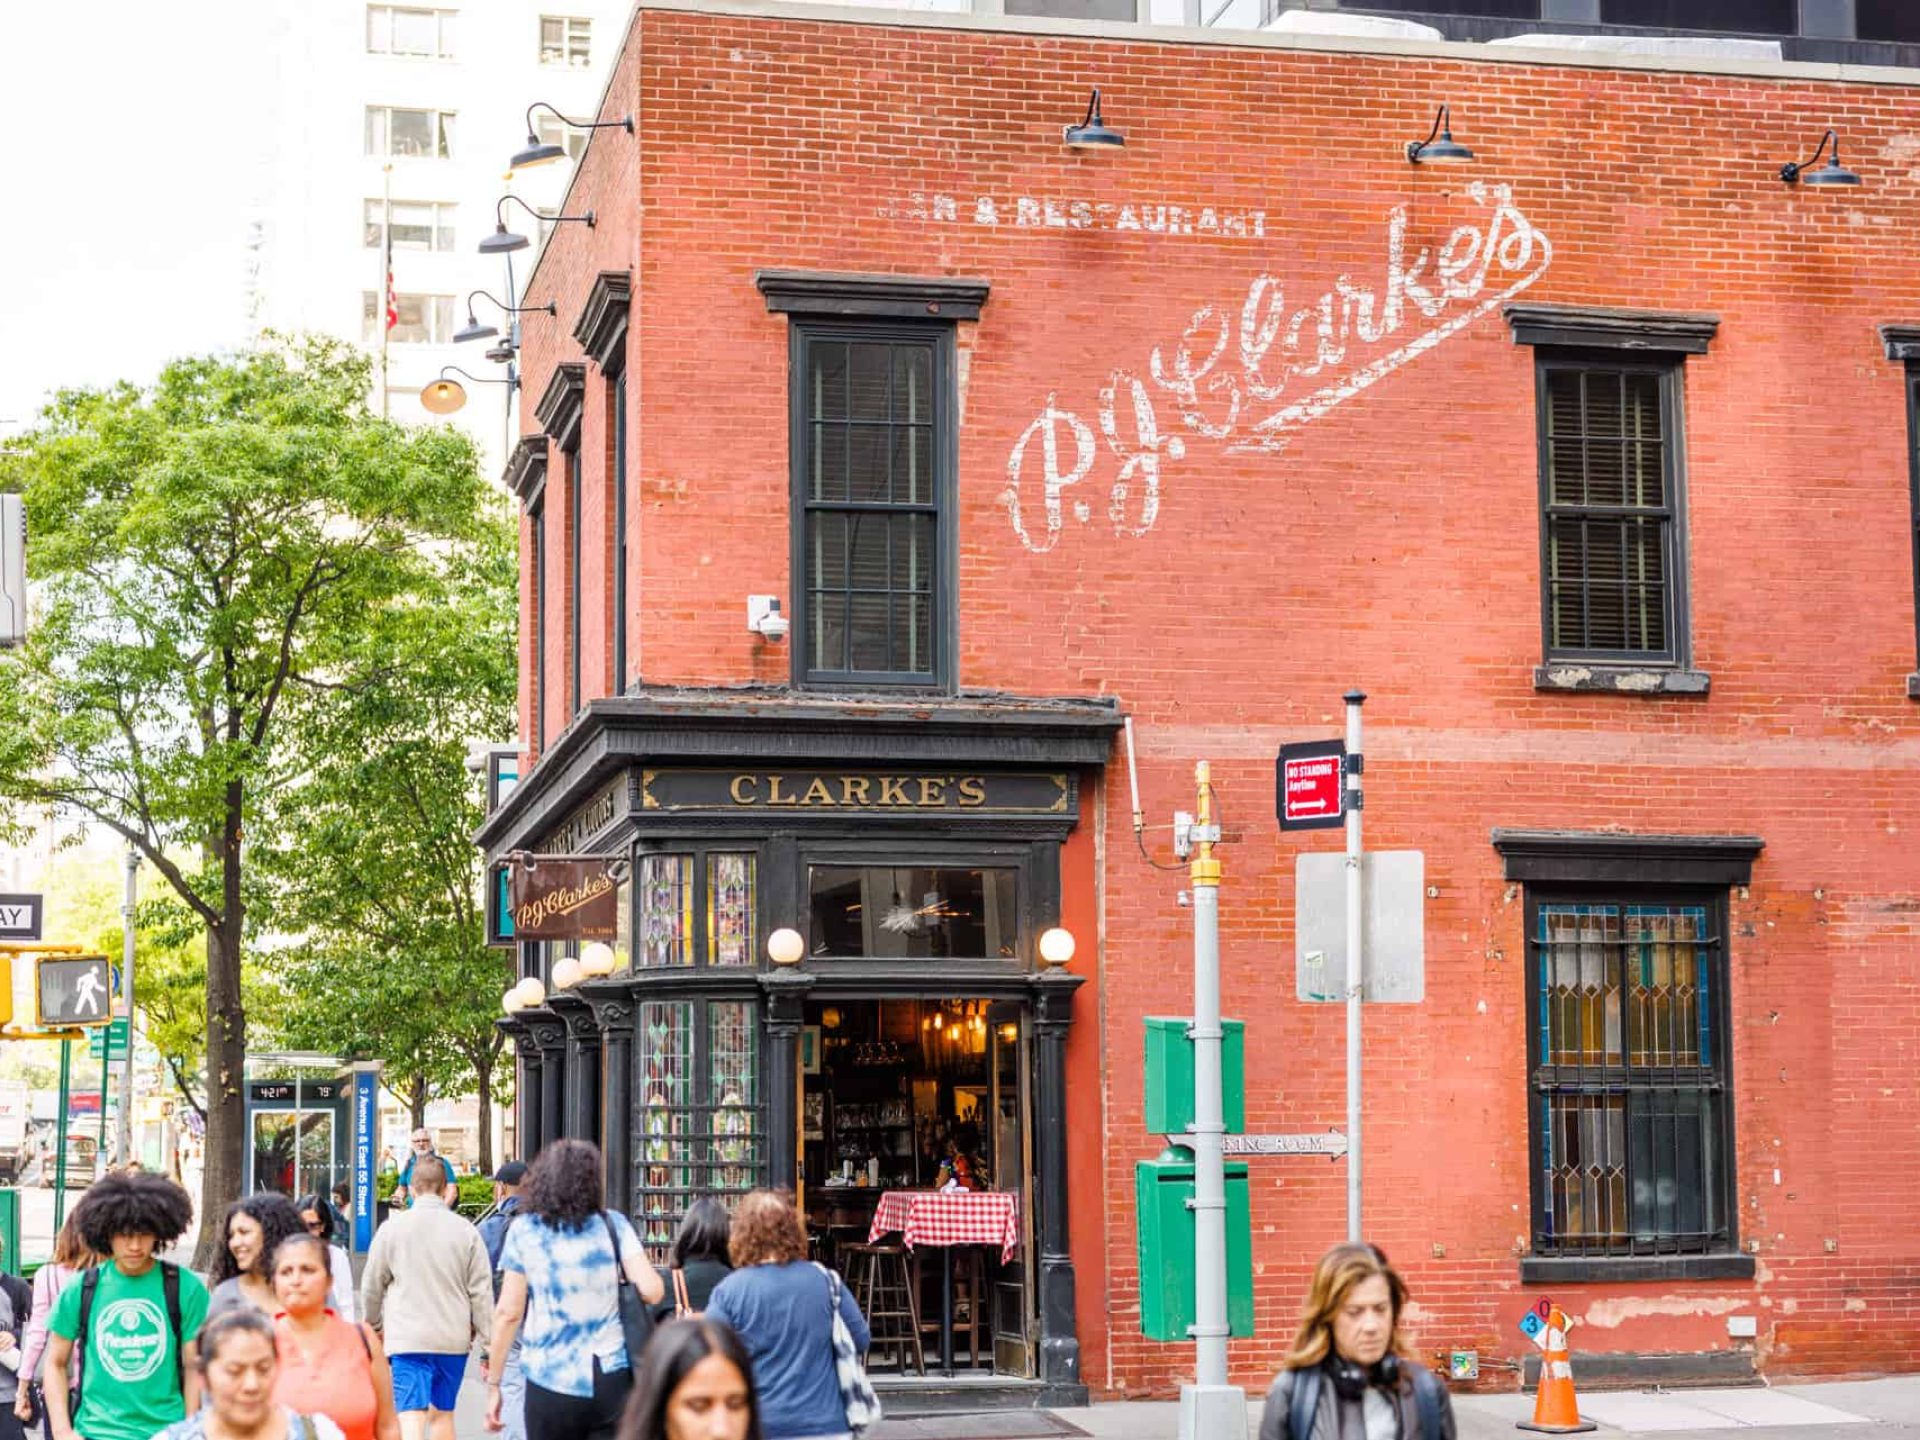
x,y
1386,536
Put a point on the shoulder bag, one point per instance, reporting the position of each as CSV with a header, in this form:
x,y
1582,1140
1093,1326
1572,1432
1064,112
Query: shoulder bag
x,y
636,1316
856,1390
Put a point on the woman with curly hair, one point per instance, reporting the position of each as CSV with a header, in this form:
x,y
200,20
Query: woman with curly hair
x,y
782,1306
568,1254
1349,1372
140,1310
243,1270
696,1383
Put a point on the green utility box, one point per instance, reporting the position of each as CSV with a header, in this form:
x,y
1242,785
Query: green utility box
x,y
1170,1075
12,1259
1163,1189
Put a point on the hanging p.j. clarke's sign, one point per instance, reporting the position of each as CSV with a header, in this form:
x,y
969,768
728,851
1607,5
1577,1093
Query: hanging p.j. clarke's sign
x,y
570,899
870,792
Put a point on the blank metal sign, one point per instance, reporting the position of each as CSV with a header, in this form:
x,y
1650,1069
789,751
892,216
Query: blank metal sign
x,y
1395,957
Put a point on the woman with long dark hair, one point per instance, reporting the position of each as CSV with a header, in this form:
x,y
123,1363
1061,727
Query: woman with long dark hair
x,y
243,1270
696,1383
699,1260
1349,1371
567,1253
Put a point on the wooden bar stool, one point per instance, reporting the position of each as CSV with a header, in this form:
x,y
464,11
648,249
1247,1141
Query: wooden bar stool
x,y
886,1297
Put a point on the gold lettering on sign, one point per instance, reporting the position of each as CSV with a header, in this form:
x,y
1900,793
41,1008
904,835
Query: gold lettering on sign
x,y
893,790
774,797
932,791
741,789
562,901
817,793
853,789
973,790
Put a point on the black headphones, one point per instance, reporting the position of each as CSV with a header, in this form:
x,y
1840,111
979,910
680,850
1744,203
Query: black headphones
x,y
1350,1381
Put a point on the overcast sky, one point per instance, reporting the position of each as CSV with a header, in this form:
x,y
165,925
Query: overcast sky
x,y
135,136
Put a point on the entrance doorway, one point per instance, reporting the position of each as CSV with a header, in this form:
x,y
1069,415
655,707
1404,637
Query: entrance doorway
x,y
907,1096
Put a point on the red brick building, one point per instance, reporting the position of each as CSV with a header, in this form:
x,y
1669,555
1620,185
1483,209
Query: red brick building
x,y
1590,460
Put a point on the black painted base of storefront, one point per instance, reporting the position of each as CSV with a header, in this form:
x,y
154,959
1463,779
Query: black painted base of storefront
x,y
905,1398
1632,1370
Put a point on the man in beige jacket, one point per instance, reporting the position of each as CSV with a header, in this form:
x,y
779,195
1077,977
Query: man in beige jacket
x,y
429,1293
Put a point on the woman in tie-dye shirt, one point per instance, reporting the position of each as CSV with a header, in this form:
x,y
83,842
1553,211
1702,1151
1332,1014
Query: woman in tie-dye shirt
x,y
560,1267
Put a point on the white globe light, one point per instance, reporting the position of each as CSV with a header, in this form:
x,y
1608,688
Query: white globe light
x,y
1056,946
596,959
511,1002
566,973
785,946
532,993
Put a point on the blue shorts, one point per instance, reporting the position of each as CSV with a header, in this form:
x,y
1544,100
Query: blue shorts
x,y
427,1382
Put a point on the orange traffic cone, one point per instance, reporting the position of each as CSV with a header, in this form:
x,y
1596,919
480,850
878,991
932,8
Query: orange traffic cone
x,y
1556,1409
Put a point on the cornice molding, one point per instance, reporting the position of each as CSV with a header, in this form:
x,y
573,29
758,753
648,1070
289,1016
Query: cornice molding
x,y
1606,327
526,470
1902,341
562,403
1572,856
887,297
602,326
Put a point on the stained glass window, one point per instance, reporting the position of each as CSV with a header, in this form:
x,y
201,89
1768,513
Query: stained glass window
x,y
663,1047
666,911
730,927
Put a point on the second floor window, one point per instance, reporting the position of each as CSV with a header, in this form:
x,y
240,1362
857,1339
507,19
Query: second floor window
x,y
417,225
1612,554
424,319
565,40
869,504
406,30
409,134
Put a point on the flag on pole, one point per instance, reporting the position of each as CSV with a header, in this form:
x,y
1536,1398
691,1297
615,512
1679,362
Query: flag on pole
x,y
393,303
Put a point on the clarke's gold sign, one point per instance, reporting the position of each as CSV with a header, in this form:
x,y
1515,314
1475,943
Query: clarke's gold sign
x,y
864,792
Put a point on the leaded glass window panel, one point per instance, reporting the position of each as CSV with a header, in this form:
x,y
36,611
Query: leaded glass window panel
x,y
730,909
666,911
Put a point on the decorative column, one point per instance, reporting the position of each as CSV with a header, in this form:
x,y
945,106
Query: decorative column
x,y
526,1087
581,1094
613,1014
786,997
1059,1340
550,1037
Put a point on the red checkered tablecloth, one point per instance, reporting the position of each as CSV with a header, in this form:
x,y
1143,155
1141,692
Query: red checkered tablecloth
x,y
949,1217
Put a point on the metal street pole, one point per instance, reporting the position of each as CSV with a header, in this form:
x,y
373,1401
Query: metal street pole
x,y
1210,1408
1356,969
60,1139
126,989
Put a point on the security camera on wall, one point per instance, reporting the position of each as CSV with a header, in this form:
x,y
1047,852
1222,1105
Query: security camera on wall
x,y
764,617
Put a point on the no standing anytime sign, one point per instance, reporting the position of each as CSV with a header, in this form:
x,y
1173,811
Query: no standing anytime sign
x,y
1309,782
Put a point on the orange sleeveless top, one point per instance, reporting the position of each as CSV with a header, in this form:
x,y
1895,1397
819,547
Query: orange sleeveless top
x,y
335,1380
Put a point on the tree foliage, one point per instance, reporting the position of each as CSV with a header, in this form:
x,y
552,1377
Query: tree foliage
x,y
213,554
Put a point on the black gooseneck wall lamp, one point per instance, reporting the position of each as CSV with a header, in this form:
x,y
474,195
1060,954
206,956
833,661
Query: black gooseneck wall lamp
x,y
1439,148
1092,132
538,154
474,330
445,396
503,240
1831,173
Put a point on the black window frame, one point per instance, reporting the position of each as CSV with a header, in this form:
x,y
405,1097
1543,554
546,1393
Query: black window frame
x,y
1913,513
537,517
943,633
575,511
617,384
1676,652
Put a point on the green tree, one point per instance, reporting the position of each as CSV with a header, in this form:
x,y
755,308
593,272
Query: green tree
x,y
211,552
377,882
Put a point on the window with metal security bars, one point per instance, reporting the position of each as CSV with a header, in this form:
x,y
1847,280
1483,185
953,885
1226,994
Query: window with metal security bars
x,y
870,505
1628,1049
1612,562
701,1127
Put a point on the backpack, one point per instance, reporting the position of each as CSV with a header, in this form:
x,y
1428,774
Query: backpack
x,y
1305,1402
495,1239
89,1287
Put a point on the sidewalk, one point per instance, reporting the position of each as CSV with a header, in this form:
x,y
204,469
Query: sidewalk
x,y
1843,1410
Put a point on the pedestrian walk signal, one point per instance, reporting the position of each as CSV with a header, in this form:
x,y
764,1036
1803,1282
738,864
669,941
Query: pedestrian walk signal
x,y
74,990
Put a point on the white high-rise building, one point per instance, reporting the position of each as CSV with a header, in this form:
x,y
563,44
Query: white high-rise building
x,y
419,108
